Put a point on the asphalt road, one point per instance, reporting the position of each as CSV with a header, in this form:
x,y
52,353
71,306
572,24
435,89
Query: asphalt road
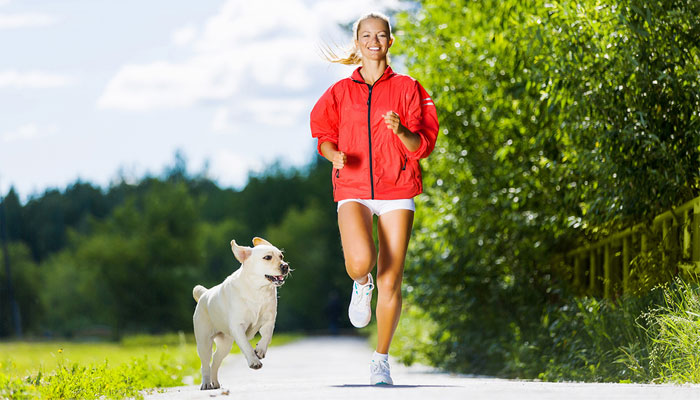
x,y
338,368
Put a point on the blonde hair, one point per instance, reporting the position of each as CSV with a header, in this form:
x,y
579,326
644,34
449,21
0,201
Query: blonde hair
x,y
352,53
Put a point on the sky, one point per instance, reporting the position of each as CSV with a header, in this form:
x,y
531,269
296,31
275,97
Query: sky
x,y
104,90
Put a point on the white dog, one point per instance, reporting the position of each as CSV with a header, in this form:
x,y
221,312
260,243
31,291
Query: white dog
x,y
236,309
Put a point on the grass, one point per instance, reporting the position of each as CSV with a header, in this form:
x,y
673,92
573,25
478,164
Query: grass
x,y
68,370
649,338
674,329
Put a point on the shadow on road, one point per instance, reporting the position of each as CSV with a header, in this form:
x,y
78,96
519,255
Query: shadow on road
x,y
394,386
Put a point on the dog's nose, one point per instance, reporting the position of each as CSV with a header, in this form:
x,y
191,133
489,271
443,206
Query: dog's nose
x,y
285,268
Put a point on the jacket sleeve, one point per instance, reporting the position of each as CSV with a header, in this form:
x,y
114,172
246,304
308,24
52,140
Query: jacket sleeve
x,y
324,119
422,120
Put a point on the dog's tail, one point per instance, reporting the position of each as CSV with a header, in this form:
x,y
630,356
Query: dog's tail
x,y
198,291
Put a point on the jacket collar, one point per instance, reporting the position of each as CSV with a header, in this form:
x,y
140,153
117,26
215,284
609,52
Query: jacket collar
x,y
357,76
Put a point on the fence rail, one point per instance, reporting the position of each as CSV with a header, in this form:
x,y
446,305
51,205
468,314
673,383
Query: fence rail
x,y
604,267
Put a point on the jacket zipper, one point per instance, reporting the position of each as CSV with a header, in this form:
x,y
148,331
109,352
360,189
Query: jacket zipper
x,y
369,137
369,132
337,175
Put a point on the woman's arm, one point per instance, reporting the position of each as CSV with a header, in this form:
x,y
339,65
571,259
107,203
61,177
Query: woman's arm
x,y
332,154
408,138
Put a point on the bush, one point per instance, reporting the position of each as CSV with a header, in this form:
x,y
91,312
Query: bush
x,y
559,121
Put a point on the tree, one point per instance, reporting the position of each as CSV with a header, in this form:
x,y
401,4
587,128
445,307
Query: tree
x,y
539,146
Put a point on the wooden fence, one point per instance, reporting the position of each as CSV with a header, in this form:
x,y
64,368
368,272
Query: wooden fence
x,y
604,267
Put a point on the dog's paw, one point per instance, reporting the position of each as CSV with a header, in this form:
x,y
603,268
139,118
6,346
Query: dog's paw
x,y
209,386
260,352
255,364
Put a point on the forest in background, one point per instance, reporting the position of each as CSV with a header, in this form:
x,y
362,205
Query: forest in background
x,y
108,261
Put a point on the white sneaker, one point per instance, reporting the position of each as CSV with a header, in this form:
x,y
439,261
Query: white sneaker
x,y
380,373
360,310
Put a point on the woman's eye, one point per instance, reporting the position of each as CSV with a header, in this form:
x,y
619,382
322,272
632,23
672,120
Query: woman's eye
x,y
267,258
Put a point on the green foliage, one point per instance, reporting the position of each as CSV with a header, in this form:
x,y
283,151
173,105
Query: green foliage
x,y
559,120
26,280
312,245
674,329
590,340
628,71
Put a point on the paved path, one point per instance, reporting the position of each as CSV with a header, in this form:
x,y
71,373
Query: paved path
x,y
338,368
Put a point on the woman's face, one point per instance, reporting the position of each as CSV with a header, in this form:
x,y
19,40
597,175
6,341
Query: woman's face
x,y
373,39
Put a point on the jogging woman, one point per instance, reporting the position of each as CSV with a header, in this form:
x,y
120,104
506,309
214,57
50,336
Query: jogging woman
x,y
374,127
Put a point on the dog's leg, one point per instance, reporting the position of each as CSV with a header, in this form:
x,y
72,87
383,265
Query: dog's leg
x,y
203,333
265,338
204,350
223,347
238,333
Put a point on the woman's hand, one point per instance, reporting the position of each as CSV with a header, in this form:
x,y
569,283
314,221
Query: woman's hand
x,y
408,138
332,154
393,122
339,160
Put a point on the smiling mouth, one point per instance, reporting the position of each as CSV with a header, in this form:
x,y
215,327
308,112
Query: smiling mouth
x,y
277,280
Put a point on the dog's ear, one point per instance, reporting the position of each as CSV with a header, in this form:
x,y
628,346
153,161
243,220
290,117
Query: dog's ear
x,y
240,252
258,241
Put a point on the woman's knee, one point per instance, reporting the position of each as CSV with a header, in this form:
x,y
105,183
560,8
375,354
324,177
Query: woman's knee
x,y
389,284
358,264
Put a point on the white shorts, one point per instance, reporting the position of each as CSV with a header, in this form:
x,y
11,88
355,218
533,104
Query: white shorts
x,y
379,207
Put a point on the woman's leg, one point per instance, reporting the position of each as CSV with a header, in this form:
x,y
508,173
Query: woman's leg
x,y
355,224
394,231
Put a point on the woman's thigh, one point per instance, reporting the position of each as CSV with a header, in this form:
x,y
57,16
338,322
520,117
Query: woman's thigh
x,y
355,225
394,231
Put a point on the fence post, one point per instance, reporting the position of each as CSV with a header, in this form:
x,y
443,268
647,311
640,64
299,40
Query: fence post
x,y
695,255
665,240
625,263
686,227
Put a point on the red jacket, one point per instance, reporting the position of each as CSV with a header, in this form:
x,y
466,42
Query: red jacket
x,y
350,114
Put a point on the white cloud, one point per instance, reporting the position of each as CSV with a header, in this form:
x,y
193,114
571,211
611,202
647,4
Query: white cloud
x,y
222,121
248,46
232,169
164,85
32,80
259,111
15,21
29,131
184,35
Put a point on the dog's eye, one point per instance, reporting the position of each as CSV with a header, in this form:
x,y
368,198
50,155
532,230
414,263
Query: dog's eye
x,y
268,257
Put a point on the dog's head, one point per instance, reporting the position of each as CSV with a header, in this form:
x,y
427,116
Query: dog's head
x,y
263,261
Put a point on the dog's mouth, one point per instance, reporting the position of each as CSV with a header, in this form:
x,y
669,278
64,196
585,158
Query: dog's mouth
x,y
277,280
